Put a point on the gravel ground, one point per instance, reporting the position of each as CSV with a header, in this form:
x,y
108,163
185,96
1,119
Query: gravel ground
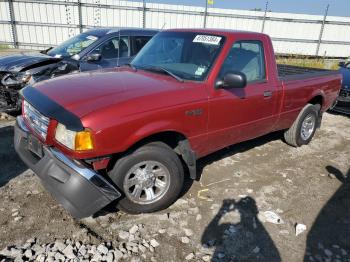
x,y
245,207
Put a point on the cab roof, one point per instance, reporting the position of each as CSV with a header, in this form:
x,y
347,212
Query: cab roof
x,y
122,30
224,32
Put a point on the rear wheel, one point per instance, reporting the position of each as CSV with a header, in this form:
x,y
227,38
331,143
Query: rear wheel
x,y
304,127
151,179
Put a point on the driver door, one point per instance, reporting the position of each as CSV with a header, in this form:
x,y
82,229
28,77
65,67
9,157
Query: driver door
x,y
112,53
239,114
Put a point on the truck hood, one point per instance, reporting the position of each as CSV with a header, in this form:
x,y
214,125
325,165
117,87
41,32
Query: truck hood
x,y
23,61
83,93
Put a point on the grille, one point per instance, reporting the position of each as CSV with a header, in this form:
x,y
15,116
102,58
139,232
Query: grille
x,y
38,122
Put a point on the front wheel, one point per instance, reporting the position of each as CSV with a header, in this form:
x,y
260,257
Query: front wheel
x,y
151,179
304,127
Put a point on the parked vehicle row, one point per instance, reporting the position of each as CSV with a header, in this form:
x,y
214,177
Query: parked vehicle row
x,y
91,50
131,134
342,103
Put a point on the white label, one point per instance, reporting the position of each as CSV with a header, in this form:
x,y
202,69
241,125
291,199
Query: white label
x,y
200,70
207,39
91,37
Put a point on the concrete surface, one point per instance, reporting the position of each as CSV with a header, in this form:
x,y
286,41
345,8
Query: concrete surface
x,y
223,216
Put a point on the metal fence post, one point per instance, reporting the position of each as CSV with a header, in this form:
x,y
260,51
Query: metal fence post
x,y
205,14
97,13
13,24
321,31
80,17
263,24
144,14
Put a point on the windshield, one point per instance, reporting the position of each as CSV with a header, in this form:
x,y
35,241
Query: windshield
x,y
73,46
185,54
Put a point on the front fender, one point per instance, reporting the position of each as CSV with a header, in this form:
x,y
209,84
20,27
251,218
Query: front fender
x,y
151,129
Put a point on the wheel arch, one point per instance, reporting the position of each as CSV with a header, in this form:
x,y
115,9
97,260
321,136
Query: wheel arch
x,y
317,99
168,137
177,141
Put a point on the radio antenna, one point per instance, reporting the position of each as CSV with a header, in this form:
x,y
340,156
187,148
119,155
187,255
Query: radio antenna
x,y
118,50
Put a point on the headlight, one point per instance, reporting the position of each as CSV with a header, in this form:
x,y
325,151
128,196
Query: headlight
x,y
9,80
79,141
12,80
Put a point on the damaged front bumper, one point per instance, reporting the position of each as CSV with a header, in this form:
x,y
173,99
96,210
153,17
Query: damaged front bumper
x,y
79,189
10,100
10,87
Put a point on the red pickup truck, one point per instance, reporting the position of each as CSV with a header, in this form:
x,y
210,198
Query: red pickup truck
x,y
131,134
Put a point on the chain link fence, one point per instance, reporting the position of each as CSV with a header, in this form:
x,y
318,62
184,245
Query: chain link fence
x,y
38,24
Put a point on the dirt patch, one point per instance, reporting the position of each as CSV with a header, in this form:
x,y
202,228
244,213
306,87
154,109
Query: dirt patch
x,y
222,216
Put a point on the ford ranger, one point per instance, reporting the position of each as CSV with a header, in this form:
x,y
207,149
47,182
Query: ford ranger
x,y
129,135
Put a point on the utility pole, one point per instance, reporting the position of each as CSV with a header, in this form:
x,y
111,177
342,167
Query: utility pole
x,y
321,31
263,23
205,14
13,24
80,17
144,14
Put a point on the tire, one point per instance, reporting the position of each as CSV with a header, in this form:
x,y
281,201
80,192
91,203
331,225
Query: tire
x,y
160,159
294,135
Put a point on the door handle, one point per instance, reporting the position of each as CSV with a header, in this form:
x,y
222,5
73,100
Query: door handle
x,y
267,93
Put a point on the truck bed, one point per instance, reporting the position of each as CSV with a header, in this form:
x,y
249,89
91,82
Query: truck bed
x,y
288,72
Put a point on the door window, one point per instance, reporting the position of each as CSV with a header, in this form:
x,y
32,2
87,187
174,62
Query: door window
x,y
139,42
114,48
246,57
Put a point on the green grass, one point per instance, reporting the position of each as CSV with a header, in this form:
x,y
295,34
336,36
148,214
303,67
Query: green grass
x,y
4,47
309,62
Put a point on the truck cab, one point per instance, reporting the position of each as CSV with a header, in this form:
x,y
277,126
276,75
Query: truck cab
x,y
131,134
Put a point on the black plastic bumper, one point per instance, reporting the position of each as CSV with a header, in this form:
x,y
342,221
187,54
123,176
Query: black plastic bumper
x,y
79,189
342,106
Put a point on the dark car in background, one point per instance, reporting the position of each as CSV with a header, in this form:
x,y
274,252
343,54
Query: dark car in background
x,y
91,50
342,104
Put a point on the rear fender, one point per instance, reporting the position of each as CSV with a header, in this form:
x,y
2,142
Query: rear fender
x,y
318,93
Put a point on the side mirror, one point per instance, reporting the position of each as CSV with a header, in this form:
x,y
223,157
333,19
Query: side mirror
x,y
341,64
93,57
232,79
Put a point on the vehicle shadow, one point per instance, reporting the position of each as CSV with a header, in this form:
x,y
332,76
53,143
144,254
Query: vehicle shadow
x,y
329,236
244,240
10,163
234,149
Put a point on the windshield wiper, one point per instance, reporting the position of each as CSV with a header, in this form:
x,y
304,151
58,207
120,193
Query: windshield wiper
x,y
163,70
131,66
46,50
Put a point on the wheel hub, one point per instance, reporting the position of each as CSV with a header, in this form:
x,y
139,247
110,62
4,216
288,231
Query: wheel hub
x,y
146,179
308,126
146,182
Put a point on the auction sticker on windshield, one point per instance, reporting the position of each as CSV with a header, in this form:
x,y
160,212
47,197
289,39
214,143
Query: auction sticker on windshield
x,y
207,39
200,70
